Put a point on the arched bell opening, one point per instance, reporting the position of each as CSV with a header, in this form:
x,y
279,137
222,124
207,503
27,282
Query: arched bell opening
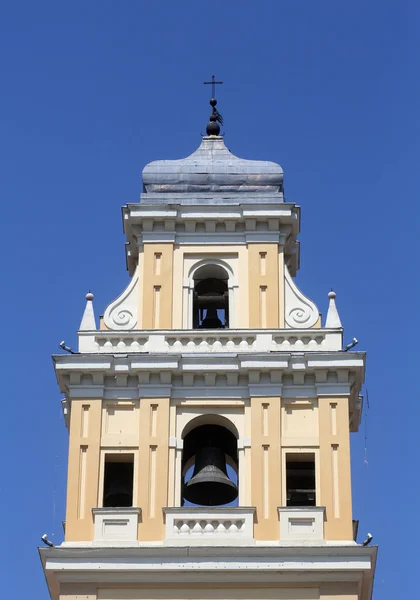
x,y
209,466
210,298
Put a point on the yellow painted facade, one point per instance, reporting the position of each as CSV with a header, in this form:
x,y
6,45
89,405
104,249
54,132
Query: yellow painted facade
x,y
83,468
335,467
275,426
264,285
153,466
324,591
156,306
265,465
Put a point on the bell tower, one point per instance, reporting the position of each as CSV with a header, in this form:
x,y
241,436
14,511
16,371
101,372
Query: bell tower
x,y
210,408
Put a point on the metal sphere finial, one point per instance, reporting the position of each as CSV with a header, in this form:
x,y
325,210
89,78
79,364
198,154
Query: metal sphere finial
x,y
213,127
89,296
332,295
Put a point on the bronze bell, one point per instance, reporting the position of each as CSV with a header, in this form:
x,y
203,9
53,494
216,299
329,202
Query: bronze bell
x,y
211,321
210,484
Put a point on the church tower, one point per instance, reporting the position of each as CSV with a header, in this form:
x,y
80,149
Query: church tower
x,y
210,409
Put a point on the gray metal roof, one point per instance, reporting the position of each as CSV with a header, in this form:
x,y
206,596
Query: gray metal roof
x,y
212,168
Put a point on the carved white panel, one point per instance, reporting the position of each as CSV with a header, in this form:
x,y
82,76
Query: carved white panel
x,y
115,525
122,312
301,524
300,312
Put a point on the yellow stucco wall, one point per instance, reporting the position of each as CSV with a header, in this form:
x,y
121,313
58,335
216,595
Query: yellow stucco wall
x,y
259,275
314,591
78,591
265,466
93,434
281,285
156,306
263,272
335,477
339,591
153,466
276,427
83,468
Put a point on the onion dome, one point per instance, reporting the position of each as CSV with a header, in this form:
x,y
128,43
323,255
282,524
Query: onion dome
x,y
212,168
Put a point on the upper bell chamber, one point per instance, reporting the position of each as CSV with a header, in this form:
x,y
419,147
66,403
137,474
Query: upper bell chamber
x,y
212,168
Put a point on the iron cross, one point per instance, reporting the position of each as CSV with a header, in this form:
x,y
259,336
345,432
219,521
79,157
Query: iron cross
x,y
213,83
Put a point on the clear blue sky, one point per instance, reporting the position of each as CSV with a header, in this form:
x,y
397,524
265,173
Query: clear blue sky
x,y
91,92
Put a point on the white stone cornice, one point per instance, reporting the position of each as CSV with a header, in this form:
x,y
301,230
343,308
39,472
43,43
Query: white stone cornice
x,y
139,213
256,564
225,223
222,362
233,375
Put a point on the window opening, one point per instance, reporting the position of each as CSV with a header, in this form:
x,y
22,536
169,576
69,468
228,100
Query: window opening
x,y
210,467
118,480
300,479
211,298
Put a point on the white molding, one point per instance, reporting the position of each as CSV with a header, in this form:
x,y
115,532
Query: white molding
x,y
303,524
202,564
189,341
209,526
201,212
276,223
113,525
121,314
239,375
210,239
299,311
201,362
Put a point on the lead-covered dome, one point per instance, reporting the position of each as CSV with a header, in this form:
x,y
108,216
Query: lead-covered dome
x,y
212,168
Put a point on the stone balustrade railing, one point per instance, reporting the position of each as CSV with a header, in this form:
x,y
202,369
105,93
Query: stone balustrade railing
x,y
191,525
216,341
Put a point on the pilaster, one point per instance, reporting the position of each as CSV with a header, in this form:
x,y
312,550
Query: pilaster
x,y
263,276
83,468
153,466
334,439
157,286
265,461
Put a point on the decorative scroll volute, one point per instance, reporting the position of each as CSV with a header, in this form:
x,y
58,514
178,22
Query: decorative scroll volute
x,y
300,312
122,312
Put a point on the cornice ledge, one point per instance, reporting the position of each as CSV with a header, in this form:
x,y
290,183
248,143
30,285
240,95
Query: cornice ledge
x,y
86,552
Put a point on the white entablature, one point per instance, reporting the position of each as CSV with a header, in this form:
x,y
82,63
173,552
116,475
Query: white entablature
x,y
225,377
198,223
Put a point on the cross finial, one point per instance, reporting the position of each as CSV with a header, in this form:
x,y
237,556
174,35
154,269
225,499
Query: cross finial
x,y
213,127
213,83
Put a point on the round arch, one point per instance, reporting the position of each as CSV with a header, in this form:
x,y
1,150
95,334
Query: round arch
x,y
217,262
218,267
210,419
